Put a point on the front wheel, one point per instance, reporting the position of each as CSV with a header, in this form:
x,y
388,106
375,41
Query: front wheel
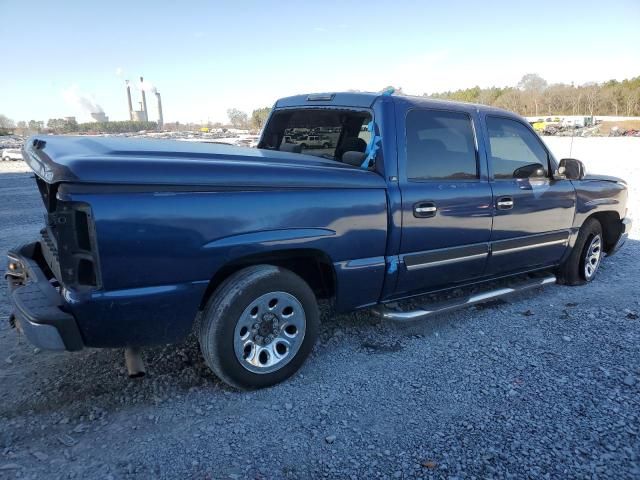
x,y
582,264
258,327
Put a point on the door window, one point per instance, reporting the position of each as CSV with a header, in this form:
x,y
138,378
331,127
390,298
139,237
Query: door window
x,y
440,146
514,151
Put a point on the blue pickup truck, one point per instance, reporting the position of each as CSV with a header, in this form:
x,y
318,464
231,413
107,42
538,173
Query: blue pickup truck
x,y
147,241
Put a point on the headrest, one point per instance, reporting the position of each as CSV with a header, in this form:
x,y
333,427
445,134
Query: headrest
x,y
291,147
353,158
354,144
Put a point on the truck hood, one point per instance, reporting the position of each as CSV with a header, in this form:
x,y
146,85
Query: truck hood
x,y
606,178
127,161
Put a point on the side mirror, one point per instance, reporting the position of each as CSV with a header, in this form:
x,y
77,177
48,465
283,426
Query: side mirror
x,y
571,168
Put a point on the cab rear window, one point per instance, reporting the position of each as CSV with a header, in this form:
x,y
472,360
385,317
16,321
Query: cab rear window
x,y
326,133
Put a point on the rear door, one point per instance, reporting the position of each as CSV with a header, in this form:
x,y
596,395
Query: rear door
x,y
533,213
446,199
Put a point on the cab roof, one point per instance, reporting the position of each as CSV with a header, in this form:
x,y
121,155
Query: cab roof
x,y
367,99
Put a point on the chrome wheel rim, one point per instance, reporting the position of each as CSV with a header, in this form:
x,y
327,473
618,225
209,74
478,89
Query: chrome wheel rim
x,y
592,258
269,332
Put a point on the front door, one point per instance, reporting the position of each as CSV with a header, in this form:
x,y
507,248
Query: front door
x,y
533,213
446,200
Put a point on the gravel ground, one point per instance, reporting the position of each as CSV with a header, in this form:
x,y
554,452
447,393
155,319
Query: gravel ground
x,y
544,385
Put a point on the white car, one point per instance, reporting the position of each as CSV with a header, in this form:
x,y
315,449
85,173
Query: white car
x,y
11,154
315,141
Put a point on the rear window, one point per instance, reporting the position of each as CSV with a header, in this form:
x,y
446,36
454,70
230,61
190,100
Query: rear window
x,y
440,146
325,133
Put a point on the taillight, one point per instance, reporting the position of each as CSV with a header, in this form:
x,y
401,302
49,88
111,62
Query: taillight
x,y
73,229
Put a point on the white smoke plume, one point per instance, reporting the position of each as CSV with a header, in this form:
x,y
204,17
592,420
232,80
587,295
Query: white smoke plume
x,y
147,87
74,97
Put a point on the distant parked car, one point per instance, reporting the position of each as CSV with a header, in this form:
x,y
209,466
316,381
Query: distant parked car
x,y
11,154
316,141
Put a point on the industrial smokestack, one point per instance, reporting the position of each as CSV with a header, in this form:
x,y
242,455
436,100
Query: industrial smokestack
x,y
160,120
129,100
144,101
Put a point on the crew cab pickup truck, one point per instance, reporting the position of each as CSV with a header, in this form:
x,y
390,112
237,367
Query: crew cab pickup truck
x,y
147,241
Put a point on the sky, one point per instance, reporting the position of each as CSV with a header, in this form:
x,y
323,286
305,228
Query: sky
x,y
205,57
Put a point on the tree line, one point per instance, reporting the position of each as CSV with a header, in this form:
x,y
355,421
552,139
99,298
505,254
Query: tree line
x,y
70,125
533,96
256,121
237,119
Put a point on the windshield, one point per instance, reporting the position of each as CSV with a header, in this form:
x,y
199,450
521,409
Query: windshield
x,y
327,133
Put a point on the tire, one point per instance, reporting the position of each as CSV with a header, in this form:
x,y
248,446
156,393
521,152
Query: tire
x,y
325,145
248,341
303,146
582,264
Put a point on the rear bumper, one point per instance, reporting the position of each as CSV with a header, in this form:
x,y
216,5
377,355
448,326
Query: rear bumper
x,y
38,307
626,229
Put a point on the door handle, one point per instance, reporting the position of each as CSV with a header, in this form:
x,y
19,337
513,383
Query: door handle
x,y
505,203
424,209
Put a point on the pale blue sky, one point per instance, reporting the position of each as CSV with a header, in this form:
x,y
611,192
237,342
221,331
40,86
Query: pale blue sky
x,y
205,56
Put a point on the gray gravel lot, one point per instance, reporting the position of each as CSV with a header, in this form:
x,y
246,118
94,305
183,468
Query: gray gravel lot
x,y
544,385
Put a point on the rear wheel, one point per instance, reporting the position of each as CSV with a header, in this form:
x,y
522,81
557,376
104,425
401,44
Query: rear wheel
x,y
258,327
582,264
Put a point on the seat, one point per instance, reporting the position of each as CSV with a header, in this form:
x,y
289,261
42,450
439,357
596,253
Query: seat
x,y
353,158
291,147
350,144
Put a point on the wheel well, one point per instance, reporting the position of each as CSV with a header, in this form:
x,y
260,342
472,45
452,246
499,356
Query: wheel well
x,y
313,266
611,228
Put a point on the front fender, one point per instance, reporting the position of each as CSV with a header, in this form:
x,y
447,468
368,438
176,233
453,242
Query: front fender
x,y
596,196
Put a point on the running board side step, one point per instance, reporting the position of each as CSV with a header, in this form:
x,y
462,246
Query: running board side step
x,y
425,311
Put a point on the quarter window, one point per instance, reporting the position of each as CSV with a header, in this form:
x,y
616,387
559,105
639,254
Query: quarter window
x,y
440,146
515,152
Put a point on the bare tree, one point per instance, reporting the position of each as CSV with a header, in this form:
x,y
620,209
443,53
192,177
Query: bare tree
x,y
36,125
511,100
631,99
555,99
238,118
6,123
259,117
591,95
613,99
533,85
